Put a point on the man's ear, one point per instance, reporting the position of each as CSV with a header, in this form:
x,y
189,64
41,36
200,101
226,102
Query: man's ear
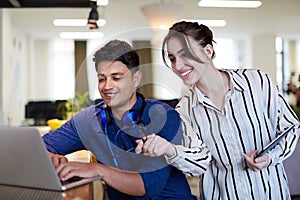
x,y
209,50
137,77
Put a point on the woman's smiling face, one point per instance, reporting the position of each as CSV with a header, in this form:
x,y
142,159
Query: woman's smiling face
x,y
187,68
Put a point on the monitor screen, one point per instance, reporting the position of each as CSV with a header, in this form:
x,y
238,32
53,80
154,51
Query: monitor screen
x,y
41,111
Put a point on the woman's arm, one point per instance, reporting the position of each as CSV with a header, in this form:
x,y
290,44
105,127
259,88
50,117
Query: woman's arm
x,y
192,156
286,117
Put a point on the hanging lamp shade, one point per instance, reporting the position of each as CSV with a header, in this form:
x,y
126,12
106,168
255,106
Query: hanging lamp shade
x,y
93,25
93,16
162,15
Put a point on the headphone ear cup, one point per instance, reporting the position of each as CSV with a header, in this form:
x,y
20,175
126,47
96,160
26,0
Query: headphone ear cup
x,y
105,118
134,116
131,117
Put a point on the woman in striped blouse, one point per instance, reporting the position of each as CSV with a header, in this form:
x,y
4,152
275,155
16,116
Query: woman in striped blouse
x,y
227,116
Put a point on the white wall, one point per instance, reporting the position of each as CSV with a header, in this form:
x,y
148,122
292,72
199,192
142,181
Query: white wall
x,y
13,72
264,54
92,47
53,75
41,75
1,64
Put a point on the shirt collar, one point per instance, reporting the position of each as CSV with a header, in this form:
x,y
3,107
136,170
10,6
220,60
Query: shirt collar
x,y
137,106
236,80
236,83
139,103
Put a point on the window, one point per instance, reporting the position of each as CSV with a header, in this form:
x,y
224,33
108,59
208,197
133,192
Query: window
x,y
61,69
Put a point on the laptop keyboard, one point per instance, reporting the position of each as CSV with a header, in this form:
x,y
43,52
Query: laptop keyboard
x,y
71,180
22,193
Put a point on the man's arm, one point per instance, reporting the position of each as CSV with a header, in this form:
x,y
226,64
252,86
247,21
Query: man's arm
x,y
63,140
130,183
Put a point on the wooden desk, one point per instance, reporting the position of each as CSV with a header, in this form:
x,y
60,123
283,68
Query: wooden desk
x,y
92,191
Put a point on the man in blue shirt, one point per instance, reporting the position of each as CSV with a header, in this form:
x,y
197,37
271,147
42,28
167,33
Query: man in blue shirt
x,y
110,130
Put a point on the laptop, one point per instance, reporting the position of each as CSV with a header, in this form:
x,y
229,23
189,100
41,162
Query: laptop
x,y
25,161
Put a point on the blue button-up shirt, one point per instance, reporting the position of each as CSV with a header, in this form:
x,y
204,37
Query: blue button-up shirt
x,y
115,147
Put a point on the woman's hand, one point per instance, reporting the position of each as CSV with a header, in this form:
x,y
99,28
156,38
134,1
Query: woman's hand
x,y
256,164
154,145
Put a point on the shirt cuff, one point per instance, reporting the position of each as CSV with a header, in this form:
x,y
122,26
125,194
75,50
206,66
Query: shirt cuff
x,y
173,158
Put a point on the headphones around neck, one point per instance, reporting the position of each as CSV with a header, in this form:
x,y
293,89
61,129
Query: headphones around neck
x,y
131,117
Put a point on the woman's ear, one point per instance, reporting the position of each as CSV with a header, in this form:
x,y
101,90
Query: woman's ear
x,y
137,77
209,50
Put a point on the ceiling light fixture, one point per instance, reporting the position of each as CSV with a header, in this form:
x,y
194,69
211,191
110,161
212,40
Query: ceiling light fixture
x,y
70,22
162,15
81,35
76,22
229,3
102,2
208,22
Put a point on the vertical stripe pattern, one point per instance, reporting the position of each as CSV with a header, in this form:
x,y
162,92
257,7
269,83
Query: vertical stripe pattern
x,y
254,113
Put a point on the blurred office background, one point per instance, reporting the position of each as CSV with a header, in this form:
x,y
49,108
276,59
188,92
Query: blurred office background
x,y
38,63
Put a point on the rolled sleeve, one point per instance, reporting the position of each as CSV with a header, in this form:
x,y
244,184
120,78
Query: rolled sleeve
x,y
63,140
155,181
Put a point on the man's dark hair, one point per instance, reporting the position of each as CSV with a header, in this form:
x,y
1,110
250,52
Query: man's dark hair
x,y
117,50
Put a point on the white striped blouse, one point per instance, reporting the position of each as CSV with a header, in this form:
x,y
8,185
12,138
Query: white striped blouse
x,y
214,140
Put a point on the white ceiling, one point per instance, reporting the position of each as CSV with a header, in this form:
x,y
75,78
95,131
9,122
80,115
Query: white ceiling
x,y
281,17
